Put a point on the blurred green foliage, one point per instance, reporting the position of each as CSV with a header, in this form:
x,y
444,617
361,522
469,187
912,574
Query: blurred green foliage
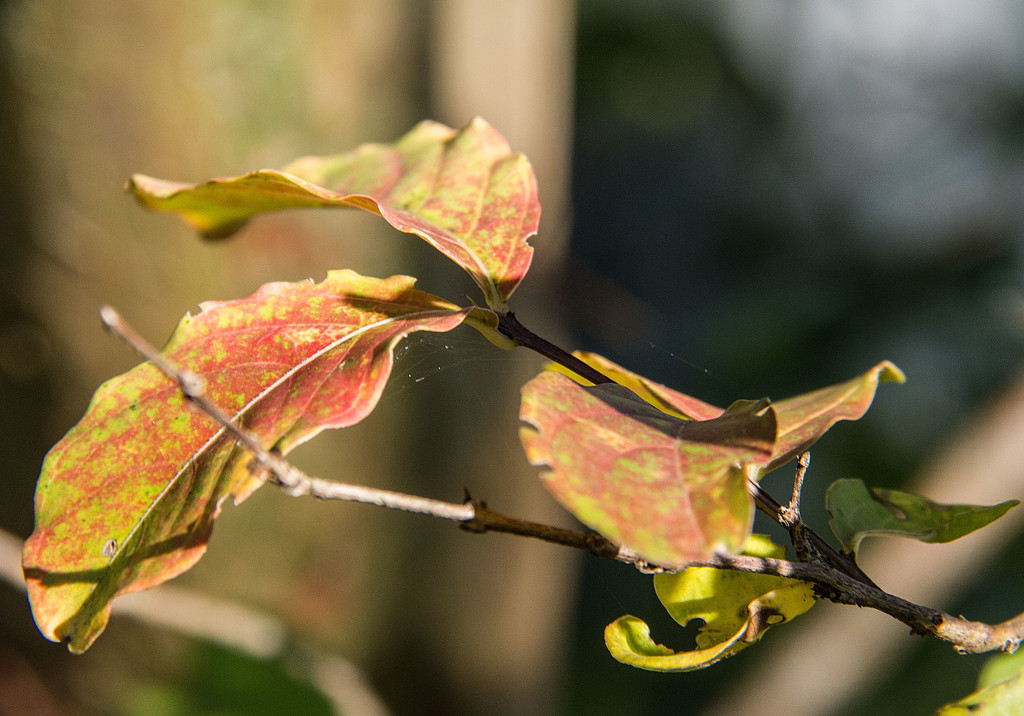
x,y
216,681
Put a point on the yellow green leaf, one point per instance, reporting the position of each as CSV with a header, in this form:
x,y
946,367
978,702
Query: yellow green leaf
x,y
1001,667
464,192
1005,698
737,608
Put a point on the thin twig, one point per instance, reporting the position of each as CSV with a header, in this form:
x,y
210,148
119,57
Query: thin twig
x,y
839,578
835,559
793,508
790,514
280,471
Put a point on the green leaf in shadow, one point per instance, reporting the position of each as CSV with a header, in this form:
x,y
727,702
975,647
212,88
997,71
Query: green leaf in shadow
x,y
1005,698
858,511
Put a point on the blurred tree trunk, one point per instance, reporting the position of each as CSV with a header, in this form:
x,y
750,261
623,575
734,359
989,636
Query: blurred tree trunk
x,y
500,604
192,90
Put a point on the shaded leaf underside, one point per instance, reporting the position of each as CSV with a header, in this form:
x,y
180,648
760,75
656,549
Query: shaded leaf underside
x,y
127,498
463,191
801,419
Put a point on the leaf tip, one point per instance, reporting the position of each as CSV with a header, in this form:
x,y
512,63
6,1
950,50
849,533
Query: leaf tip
x,y
889,373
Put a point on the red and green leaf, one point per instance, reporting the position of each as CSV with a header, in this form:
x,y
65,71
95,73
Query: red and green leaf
x,y
672,490
462,191
802,420
633,465
128,497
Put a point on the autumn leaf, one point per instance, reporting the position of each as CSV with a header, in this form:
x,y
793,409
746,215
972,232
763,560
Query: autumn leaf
x,y
627,460
858,511
128,497
672,490
462,191
805,418
736,609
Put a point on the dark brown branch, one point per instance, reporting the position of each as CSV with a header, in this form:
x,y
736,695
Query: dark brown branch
x,y
510,326
487,520
835,559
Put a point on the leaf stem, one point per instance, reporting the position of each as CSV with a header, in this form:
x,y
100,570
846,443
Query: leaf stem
x,y
510,326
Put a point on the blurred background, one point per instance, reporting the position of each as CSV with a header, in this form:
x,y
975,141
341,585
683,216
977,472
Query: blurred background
x,y
740,199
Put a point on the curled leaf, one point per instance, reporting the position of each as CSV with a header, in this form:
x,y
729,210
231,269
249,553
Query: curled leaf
x,y
672,490
464,192
128,497
737,608
858,511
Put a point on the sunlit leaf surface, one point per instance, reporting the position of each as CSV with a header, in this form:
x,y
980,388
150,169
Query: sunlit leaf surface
x,y
463,191
805,418
1001,667
660,472
672,490
128,497
736,609
858,511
